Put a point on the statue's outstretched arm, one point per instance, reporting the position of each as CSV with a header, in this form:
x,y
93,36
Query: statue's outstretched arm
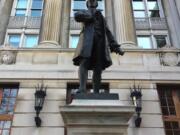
x,y
83,16
114,46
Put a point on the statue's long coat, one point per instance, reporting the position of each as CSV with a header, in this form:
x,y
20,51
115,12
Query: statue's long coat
x,y
85,44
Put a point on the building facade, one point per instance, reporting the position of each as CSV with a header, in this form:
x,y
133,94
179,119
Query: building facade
x,y
37,43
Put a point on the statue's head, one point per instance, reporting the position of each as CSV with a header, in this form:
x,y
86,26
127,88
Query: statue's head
x,y
91,3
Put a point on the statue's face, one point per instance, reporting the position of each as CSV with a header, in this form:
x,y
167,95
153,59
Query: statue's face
x,y
92,3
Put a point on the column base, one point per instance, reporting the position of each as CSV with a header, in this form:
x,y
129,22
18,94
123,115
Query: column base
x,y
49,44
130,45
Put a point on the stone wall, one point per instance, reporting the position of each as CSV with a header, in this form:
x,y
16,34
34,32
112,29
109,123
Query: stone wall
x,y
54,67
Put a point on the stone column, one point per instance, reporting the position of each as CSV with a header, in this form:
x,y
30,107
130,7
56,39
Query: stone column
x,y
178,5
124,23
5,11
109,14
173,21
51,23
64,37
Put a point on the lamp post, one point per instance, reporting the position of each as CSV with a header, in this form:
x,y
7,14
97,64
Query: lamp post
x,y
136,95
40,95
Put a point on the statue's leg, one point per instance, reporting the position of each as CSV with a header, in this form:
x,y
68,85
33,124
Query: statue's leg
x,y
83,76
97,79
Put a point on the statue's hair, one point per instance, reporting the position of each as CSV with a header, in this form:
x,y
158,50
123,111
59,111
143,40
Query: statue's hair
x,y
90,0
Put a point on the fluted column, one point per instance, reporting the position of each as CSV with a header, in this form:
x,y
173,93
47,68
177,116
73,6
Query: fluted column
x,y
5,11
177,2
64,38
51,22
124,24
173,21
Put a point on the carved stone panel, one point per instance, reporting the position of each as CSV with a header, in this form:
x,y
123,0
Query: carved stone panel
x,y
7,57
170,59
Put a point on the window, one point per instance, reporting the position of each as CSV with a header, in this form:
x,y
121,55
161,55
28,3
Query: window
x,y
144,42
153,8
74,40
161,41
24,25
21,8
139,9
30,41
8,96
36,8
170,105
29,8
14,40
152,41
146,8
78,5
23,40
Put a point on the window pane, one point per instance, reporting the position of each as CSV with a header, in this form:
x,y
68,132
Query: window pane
x,y
167,125
3,110
14,40
175,125
165,111
81,5
22,3
170,102
12,101
100,5
10,109
172,111
153,5
169,132
163,102
20,12
74,41
5,132
13,92
144,42
1,124
160,41
37,4
6,93
138,5
154,13
35,13
31,41
139,14
7,124
177,132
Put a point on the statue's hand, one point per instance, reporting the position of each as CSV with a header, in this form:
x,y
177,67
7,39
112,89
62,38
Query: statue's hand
x,y
117,49
83,16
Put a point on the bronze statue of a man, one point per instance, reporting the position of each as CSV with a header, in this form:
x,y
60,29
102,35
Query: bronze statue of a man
x,y
94,46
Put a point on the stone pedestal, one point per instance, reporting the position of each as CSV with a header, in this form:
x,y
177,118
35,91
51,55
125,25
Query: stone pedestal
x,y
96,117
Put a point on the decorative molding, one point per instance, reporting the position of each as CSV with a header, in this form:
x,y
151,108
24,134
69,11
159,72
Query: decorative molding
x,y
7,57
170,59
